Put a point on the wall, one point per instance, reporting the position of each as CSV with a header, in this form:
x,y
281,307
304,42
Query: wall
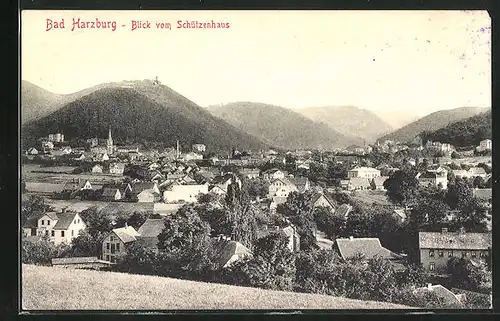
x,y
441,262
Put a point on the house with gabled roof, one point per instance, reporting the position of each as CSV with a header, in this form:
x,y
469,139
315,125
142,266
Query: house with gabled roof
x,y
97,169
343,210
225,180
115,243
145,192
437,248
58,227
446,295
434,178
230,252
117,168
272,174
150,230
323,200
367,247
302,183
281,187
111,194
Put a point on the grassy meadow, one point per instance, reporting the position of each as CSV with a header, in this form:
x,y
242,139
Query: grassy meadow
x,y
53,288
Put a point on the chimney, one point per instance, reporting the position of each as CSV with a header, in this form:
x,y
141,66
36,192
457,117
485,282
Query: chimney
x,y
429,286
351,238
444,230
126,224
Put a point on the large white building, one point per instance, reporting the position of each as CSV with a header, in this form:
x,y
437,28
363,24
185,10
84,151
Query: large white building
x,y
484,145
187,193
57,227
363,172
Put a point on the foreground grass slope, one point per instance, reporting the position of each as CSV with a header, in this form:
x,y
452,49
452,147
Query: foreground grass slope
x,y
48,288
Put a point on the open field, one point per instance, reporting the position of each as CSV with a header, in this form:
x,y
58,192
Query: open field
x,y
48,288
61,174
110,208
370,197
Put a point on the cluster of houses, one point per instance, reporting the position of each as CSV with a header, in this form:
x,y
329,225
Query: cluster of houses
x,y
171,179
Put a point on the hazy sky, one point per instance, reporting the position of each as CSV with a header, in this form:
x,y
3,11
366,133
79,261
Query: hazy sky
x,y
420,61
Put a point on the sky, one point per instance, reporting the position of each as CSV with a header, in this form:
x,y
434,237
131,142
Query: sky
x,y
416,62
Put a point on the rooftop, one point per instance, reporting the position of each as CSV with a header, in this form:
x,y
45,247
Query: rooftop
x,y
455,240
368,247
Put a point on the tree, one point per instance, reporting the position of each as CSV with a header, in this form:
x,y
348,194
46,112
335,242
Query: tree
x,y
241,216
40,252
182,229
329,223
31,206
467,276
217,218
138,259
298,209
187,250
96,221
402,187
459,194
430,211
86,244
256,187
479,182
472,216
137,219
271,267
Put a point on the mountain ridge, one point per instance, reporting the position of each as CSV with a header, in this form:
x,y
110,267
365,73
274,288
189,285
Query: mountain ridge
x,y
431,122
349,120
138,110
285,127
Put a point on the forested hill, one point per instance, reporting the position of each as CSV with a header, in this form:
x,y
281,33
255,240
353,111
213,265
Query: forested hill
x,y
468,132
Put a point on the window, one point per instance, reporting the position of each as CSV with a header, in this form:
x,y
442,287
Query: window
x,y
62,233
107,257
473,254
431,253
48,222
464,254
111,238
53,233
118,247
431,266
72,233
43,222
482,254
74,221
107,246
450,253
441,253
112,248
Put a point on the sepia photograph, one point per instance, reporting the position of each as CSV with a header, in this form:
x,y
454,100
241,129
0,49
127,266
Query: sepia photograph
x,y
255,160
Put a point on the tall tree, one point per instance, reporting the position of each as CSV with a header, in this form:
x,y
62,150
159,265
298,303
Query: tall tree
x,y
402,187
298,209
242,215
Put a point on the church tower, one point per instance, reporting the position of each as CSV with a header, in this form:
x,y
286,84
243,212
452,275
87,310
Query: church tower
x,y
110,143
